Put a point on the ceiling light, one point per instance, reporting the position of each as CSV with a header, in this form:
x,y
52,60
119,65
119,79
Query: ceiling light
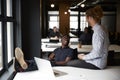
x,y
65,12
82,5
69,10
52,5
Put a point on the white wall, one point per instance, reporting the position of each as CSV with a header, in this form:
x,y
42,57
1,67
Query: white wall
x,y
109,21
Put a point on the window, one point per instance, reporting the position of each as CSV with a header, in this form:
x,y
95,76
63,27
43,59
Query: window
x,y
6,34
53,19
9,30
83,22
9,7
1,60
53,22
10,40
73,20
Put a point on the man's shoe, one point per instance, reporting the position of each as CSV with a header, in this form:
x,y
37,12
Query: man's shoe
x,y
20,58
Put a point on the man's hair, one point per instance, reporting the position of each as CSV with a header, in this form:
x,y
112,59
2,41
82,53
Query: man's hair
x,y
65,37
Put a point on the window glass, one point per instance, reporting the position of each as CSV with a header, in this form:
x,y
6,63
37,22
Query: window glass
x,y
53,23
74,13
73,21
9,7
10,40
83,22
1,60
73,18
53,19
53,12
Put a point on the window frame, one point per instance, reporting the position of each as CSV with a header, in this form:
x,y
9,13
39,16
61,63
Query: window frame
x,y
55,14
84,22
4,19
74,14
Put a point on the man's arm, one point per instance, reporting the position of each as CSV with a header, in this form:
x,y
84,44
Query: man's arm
x,y
51,56
80,56
63,62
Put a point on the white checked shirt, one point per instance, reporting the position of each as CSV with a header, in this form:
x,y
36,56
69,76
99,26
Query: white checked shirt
x,y
100,43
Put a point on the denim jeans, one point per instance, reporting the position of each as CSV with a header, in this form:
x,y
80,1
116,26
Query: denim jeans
x,y
31,66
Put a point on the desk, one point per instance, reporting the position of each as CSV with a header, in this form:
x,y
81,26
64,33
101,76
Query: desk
x,y
45,72
46,40
50,47
88,48
73,73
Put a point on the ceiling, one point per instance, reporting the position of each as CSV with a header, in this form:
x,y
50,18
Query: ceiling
x,y
107,5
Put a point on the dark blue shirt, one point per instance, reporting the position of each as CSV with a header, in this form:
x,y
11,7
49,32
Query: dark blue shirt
x,y
53,34
86,38
62,53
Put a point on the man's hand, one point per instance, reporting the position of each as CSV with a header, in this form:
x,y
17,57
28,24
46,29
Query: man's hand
x,y
80,56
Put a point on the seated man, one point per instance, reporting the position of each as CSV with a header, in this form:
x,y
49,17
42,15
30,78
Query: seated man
x,y
22,65
63,54
54,34
86,37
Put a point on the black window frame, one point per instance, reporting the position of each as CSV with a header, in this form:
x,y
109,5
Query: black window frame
x,y
4,19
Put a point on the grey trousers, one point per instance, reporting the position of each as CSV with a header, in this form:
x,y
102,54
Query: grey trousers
x,y
81,64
